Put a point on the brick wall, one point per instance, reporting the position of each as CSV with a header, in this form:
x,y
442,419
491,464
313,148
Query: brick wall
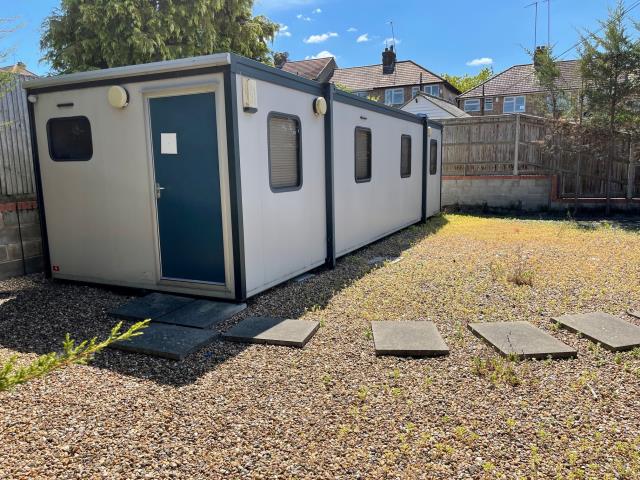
x,y
20,241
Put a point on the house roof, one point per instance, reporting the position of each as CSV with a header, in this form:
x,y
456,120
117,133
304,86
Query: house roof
x,y
19,68
440,103
311,69
521,79
370,77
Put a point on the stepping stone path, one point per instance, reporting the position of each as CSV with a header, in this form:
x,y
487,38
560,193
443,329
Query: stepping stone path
x,y
167,341
611,332
522,340
408,338
150,306
201,314
273,331
180,325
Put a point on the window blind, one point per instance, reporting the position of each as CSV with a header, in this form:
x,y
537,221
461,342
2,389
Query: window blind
x,y
284,152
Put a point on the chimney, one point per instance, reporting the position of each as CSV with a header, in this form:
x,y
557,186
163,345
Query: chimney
x,y
388,60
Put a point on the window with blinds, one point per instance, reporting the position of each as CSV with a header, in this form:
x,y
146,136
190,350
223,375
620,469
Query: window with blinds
x,y
363,154
405,156
433,157
285,158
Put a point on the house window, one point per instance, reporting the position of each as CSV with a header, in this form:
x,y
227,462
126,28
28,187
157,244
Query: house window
x,y
488,104
363,154
285,156
69,139
433,90
414,91
433,157
394,96
362,94
405,156
514,105
472,105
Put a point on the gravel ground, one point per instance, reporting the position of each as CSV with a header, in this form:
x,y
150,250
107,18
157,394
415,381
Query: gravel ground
x,y
332,409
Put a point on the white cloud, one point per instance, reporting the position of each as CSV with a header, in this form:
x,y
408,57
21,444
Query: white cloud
x,y
284,31
391,41
322,54
317,10
352,29
303,18
363,38
476,62
323,37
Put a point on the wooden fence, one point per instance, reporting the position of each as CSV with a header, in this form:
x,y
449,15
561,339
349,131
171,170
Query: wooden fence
x,y
527,145
16,167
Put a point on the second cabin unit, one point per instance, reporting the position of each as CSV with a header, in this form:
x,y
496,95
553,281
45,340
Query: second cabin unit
x,y
219,176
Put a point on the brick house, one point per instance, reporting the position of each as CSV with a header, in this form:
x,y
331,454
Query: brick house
x,y
391,82
516,90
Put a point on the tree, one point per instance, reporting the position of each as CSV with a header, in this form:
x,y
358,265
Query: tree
x,y
555,101
466,82
280,58
610,63
93,34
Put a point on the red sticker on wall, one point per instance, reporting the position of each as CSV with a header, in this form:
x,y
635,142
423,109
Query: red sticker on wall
x,y
55,268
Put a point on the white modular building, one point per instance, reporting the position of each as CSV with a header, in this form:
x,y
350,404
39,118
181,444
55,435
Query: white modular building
x,y
219,176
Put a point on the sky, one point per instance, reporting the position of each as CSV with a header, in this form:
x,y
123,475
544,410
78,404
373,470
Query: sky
x,y
445,37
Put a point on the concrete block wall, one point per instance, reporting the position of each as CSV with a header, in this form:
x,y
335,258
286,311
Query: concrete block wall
x,y
524,192
20,240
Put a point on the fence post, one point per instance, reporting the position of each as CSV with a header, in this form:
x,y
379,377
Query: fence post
x,y
516,154
631,170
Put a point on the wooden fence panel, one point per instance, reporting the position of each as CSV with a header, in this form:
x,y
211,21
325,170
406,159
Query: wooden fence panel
x,y
16,167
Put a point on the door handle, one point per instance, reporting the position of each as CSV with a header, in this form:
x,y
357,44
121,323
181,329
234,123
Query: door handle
x,y
159,190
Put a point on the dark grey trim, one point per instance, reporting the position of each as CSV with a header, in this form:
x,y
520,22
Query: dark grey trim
x,y
46,256
80,159
235,187
425,163
299,154
433,124
355,155
328,178
441,170
260,71
126,80
402,137
356,101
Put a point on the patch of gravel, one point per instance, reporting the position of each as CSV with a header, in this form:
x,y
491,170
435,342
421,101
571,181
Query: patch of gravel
x,y
333,409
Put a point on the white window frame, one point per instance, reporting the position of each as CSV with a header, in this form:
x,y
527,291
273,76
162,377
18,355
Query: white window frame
x,y
488,104
472,101
428,89
509,104
394,96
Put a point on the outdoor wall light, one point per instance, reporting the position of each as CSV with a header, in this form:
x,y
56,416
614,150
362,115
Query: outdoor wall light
x,y
118,97
320,106
32,98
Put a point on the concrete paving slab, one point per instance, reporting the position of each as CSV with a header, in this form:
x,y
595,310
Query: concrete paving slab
x,y
408,339
521,339
168,341
150,306
611,332
273,331
634,313
202,314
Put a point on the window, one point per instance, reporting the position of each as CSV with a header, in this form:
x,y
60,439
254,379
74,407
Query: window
x,y
394,96
488,104
433,157
285,156
563,103
362,94
414,91
363,154
405,156
69,139
472,105
433,90
514,105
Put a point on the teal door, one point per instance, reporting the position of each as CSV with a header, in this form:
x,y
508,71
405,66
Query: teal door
x,y
185,157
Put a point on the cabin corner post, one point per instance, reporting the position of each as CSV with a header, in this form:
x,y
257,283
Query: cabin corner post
x,y
46,257
235,187
425,153
329,90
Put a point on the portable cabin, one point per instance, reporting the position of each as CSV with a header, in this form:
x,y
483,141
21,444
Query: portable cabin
x,y
219,176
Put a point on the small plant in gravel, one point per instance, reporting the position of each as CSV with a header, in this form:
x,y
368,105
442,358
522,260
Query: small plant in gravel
x,y
81,354
496,369
327,381
363,392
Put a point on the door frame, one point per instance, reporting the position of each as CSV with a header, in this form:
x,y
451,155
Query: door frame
x,y
212,85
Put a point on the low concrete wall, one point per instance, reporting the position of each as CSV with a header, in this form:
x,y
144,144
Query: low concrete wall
x,y
20,241
523,192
